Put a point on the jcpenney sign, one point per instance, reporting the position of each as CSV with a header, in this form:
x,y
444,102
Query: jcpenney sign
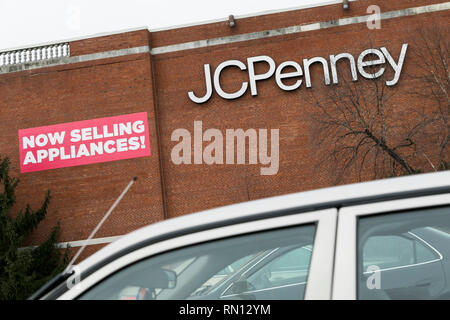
x,y
368,58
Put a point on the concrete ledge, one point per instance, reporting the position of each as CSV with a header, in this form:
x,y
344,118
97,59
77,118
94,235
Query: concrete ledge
x,y
298,29
76,59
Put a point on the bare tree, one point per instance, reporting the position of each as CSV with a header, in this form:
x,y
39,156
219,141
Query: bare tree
x,y
365,129
432,56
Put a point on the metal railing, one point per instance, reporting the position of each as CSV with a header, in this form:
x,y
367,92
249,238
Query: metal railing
x,y
36,54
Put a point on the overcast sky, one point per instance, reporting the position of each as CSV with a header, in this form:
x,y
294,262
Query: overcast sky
x,y
30,22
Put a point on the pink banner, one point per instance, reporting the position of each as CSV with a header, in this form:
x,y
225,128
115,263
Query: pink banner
x,y
84,142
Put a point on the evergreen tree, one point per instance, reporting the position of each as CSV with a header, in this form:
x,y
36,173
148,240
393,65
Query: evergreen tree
x,y
24,270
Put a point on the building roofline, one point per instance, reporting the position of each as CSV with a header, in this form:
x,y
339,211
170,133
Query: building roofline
x,y
251,15
199,23
94,35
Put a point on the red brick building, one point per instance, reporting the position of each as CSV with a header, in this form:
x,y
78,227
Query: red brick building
x,y
153,71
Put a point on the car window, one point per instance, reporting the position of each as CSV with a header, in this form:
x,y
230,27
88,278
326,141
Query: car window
x,y
139,293
286,268
388,251
295,260
404,255
192,272
424,252
220,277
235,265
397,251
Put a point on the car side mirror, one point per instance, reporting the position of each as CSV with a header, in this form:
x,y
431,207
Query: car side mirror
x,y
239,290
239,287
171,279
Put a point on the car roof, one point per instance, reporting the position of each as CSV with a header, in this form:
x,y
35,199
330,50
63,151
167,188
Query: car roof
x,y
338,196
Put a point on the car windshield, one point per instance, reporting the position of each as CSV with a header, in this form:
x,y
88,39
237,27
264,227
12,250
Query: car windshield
x,y
265,265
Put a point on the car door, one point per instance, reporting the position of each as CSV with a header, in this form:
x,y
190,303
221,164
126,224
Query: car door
x,y
194,261
397,249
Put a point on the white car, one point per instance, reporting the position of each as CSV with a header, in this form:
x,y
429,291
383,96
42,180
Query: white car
x,y
386,239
